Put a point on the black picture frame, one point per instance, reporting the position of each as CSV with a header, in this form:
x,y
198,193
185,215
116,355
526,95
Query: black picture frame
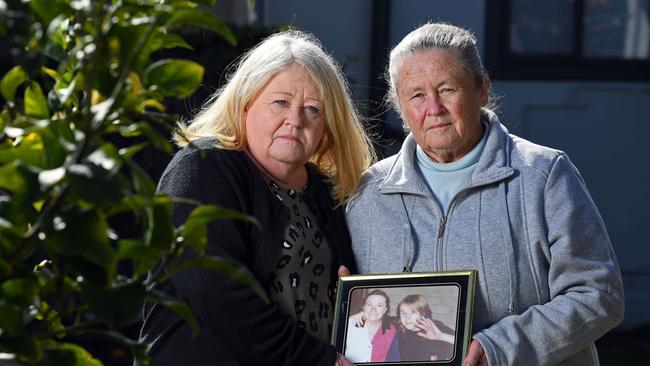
x,y
446,299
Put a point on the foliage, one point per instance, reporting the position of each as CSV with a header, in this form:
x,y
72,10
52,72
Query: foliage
x,y
82,101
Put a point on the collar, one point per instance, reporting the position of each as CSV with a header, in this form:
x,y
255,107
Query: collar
x,y
493,165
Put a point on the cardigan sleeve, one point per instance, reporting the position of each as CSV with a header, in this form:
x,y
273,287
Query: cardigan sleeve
x,y
252,331
584,280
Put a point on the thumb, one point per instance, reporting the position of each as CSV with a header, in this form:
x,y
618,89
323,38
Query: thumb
x,y
474,354
343,271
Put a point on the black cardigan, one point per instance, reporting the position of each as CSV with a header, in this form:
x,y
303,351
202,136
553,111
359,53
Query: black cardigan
x,y
236,327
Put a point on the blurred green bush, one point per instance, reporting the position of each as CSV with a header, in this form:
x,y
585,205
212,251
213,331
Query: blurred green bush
x,y
83,81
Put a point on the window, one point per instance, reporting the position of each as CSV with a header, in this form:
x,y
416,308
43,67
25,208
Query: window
x,y
568,39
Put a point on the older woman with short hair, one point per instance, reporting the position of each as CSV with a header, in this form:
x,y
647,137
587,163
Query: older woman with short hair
x,y
281,141
465,193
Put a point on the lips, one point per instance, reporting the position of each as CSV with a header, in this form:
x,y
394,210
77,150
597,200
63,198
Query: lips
x,y
439,125
410,326
290,138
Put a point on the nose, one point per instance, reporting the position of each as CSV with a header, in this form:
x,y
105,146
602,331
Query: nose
x,y
433,106
296,117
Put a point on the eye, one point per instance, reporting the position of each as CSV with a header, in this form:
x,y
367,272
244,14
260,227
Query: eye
x,y
446,90
312,110
281,103
417,95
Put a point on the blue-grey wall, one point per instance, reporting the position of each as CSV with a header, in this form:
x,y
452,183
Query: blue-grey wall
x,y
343,26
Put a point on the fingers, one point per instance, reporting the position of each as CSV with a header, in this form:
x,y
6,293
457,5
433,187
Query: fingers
x,y
422,325
342,361
428,329
427,323
343,271
475,355
357,319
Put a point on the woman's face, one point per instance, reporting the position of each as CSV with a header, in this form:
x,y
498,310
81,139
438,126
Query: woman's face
x,y
441,103
409,315
374,308
285,122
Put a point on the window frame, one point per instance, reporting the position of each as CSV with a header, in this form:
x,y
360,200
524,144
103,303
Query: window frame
x,y
503,64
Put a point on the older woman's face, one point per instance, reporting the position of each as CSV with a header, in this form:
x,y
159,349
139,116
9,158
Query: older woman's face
x,y
285,121
375,307
441,104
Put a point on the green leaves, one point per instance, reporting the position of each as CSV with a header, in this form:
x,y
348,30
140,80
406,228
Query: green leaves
x,y
143,258
180,308
174,77
160,232
35,102
118,305
11,81
82,238
204,20
68,354
83,101
39,148
229,267
92,183
47,10
11,318
22,181
20,291
206,2
12,178
194,231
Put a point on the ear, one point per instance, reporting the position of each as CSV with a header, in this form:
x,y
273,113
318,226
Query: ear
x,y
485,90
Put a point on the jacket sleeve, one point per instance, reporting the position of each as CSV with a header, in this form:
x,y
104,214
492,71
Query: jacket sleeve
x,y
584,282
253,331
359,215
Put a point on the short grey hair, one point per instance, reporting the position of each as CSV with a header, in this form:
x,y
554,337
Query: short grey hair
x,y
459,41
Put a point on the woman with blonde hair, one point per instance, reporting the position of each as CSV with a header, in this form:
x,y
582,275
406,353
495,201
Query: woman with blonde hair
x,y
420,337
280,141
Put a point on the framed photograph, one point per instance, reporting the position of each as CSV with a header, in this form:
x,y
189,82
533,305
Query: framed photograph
x,y
405,318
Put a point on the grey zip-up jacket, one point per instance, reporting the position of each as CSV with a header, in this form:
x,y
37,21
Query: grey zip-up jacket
x,y
549,282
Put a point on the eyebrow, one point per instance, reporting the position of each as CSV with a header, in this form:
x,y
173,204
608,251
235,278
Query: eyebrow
x,y
292,95
447,82
411,90
282,93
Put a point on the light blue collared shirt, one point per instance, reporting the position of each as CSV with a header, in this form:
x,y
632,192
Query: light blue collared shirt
x,y
445,180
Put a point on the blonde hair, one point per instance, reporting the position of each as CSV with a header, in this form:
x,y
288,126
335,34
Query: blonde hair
x,y
417,302
345,150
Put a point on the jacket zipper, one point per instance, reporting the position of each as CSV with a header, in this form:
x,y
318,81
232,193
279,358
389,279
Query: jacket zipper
x,y
441,227
443,220
441,233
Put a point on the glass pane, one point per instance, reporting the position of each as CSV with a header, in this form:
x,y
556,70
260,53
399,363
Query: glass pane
x,y
541,27
617,29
